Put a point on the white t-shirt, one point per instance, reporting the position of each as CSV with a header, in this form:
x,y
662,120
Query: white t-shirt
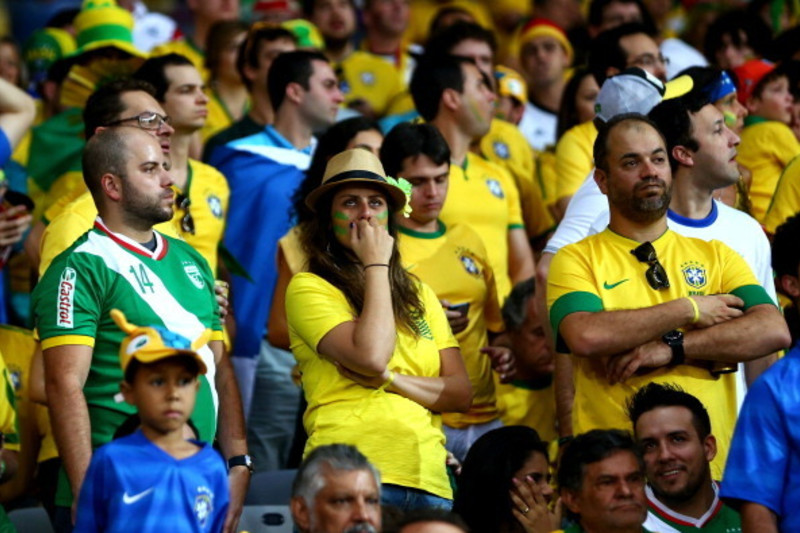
x,y
538,126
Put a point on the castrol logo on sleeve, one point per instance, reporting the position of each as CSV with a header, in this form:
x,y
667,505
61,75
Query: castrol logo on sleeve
x,y
66,294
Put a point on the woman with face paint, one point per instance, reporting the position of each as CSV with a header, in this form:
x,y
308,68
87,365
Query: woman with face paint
x,y
376,354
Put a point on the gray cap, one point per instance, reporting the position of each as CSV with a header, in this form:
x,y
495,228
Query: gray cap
x,y
635,90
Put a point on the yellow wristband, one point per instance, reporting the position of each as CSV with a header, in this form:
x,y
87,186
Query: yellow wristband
x,y
696,309
388,381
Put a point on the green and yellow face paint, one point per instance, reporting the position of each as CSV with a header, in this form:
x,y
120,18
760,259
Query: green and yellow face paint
x,y
341,223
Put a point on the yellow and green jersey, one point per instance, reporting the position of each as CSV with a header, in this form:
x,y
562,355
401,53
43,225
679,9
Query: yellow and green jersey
x,y
767,147
453,262
599,273
483,196
574,159
786,200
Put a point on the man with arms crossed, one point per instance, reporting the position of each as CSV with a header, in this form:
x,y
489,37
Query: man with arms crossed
x,y
638,296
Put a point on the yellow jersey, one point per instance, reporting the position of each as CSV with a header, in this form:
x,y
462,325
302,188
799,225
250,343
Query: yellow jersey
x,y
546,178
454,263
507,147
208,203
529,403
483,196
599,273
187,48
766,148
786,200
363,76
403,439
17,346
574,159
219,116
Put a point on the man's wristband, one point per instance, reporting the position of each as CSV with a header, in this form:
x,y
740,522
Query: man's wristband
x,y
696,310
389,381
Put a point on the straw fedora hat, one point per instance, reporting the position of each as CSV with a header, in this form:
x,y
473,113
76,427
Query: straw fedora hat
x,y
356,166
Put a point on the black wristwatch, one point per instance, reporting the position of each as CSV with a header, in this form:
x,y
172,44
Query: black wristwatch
x,y
674,339
241,460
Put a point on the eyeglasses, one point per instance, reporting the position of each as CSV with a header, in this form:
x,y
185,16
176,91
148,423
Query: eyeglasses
x,y
187,222
649,60
656,275
147,120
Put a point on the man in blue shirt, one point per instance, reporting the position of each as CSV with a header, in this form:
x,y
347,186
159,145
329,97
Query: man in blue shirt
x,y
263,171
762,477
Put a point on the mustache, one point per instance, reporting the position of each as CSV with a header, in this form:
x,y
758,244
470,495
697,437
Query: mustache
x,y
650,181
363,527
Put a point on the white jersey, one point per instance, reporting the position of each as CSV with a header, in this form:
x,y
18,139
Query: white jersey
x,y
538,126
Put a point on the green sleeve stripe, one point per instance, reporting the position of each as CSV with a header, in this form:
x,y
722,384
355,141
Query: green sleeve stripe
x,y
516,226
572,302
752,295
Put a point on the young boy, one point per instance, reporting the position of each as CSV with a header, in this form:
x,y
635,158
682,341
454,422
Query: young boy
x,y
155,479
768,144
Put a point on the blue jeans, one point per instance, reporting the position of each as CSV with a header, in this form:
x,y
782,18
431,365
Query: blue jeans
x,y
408,499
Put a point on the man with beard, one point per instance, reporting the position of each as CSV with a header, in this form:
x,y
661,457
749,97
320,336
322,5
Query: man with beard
x,y
336,490
673,432
639,303
123,263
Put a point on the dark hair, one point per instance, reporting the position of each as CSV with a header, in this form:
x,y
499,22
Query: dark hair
x,y
600,151
482,498
434,74
786,45
291,67
445,39
154,71
591,447
426,515
757,34
105,153
251,47
219,37
308,6
568,112
655,395
105,105
515,307
337,265
437,21
597,7
673,119
785,251
791,69
333,141
411,140
771,76
606,51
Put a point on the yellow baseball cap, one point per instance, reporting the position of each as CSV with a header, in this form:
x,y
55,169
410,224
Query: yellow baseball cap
x,y
510,83
148,344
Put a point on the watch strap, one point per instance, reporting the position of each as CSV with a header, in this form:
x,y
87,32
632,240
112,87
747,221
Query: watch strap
x,y
241,460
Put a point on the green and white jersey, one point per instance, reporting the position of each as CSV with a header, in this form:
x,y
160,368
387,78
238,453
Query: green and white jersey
x,y
171,287
718,519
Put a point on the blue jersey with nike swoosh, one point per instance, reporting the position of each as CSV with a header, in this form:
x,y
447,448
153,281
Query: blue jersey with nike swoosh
x,y
599,273
133,485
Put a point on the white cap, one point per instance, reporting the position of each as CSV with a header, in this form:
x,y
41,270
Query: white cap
x,y
635,90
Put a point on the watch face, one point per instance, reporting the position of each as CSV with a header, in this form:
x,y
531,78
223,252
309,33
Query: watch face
x,y
672,337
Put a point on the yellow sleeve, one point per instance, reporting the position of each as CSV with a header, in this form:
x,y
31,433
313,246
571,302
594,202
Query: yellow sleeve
x,y
573,162
570,286
512,198
785,145
786,200
64,230
437,320
314,307
9,425
546,177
